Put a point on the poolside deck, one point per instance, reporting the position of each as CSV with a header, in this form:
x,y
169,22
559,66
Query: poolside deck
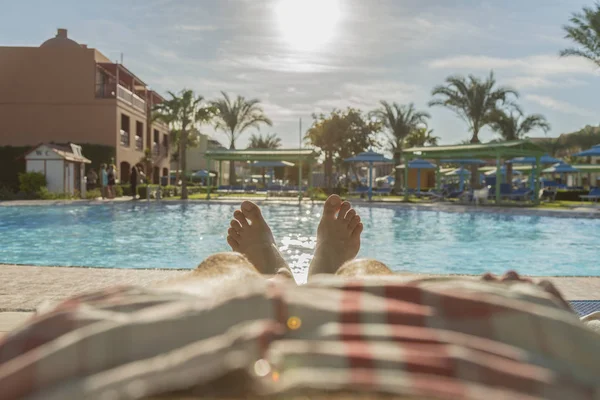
x,y
24,288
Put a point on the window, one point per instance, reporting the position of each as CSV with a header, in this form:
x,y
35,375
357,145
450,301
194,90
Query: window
x,y
166,144
139,135
125,128
155,148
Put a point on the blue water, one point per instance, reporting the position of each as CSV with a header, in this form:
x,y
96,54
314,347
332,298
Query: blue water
x,y
158,235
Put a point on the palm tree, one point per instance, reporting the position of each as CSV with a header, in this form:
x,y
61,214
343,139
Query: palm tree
x,y
399,122
234,117
270,141
184,112
515,126
585,32
473,100
422,137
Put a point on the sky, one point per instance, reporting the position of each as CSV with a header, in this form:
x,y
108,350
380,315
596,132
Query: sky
x,y
301,57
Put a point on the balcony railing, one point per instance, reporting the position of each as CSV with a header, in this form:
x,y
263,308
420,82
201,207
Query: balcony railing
x,y
155,149
109,90
124,138
139,142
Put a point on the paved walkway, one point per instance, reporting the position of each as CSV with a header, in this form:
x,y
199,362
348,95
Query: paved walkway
x,y
24,288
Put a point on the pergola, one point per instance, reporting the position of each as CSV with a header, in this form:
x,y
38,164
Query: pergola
x,y
297,156
497,151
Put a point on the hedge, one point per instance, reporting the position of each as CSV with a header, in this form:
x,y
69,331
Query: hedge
x,y
570,195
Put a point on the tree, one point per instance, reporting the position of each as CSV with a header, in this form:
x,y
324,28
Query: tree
x,y
270,141
515,126
184,113
340,135
585,32
422,137
235,117
399,122
475,101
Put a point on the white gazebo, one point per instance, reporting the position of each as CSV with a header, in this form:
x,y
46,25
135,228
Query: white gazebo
x,y
62,165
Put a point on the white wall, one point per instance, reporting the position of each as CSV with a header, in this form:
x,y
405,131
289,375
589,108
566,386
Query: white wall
x,y
55,175
35,166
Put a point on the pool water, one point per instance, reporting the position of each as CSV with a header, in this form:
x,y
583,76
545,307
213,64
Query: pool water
x,y
159,235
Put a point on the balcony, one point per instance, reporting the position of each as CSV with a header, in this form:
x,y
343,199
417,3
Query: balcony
x,y
110,90
139,143
124,138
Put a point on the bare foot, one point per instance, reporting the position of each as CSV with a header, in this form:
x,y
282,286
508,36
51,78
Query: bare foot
x,y
250,235
338,237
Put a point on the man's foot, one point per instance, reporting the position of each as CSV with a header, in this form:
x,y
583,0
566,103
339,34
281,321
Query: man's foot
x,y
338,237
251,236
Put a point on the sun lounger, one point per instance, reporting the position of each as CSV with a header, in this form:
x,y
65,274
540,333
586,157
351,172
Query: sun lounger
x,y
223,189
593,195
585,307
250,189
360,190
521,193
383,191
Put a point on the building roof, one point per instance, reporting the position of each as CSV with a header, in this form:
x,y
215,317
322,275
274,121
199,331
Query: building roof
x,y
60,40
261,155
69,152
516,148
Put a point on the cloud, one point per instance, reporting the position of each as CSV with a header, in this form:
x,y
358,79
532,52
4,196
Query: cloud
x,y
366,96
196,28
545,65
560,106
522,82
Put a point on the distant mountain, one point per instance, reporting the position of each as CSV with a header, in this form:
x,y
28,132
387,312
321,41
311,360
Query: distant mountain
x,y
570,143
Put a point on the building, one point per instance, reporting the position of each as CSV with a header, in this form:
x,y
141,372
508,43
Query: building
x,y
63,91
196,159
63,167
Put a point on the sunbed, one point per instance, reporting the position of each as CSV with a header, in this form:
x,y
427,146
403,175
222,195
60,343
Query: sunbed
x,y
593,195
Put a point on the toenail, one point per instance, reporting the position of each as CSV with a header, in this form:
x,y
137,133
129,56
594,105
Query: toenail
x,y
247,206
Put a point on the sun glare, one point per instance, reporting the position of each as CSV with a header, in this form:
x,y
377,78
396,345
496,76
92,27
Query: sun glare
x,y
307,24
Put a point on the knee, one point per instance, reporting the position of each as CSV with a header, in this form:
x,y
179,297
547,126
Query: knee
x,y
225,263
363,267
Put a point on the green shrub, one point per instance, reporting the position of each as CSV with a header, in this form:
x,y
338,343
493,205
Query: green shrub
x,y
93,194
12,163
44,194
570,195
32,182
125,190
7,194
119,191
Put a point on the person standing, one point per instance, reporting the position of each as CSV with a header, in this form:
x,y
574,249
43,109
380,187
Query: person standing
x,y
103,181
111,182
92,179
133,180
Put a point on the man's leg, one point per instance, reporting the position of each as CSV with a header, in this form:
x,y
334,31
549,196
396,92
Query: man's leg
x,y
363,267
338,237
250,235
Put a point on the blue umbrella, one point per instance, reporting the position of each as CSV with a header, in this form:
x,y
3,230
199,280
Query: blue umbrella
x,y
560,168
545,159
466,161
420,164
593,152
370,157
203,174
461,173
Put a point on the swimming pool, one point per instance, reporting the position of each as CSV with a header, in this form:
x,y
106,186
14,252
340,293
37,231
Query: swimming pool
x,y
162,235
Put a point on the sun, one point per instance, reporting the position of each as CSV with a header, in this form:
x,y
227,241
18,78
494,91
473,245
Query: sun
x,y
307,24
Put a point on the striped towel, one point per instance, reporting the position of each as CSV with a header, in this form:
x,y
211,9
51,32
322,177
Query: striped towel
x,y
434,338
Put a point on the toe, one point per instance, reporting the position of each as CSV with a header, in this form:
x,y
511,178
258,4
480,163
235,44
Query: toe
x,y
353,223
241,218
233,243
343,210
358,230
236,225
233,233
332,205
251,211
349,215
